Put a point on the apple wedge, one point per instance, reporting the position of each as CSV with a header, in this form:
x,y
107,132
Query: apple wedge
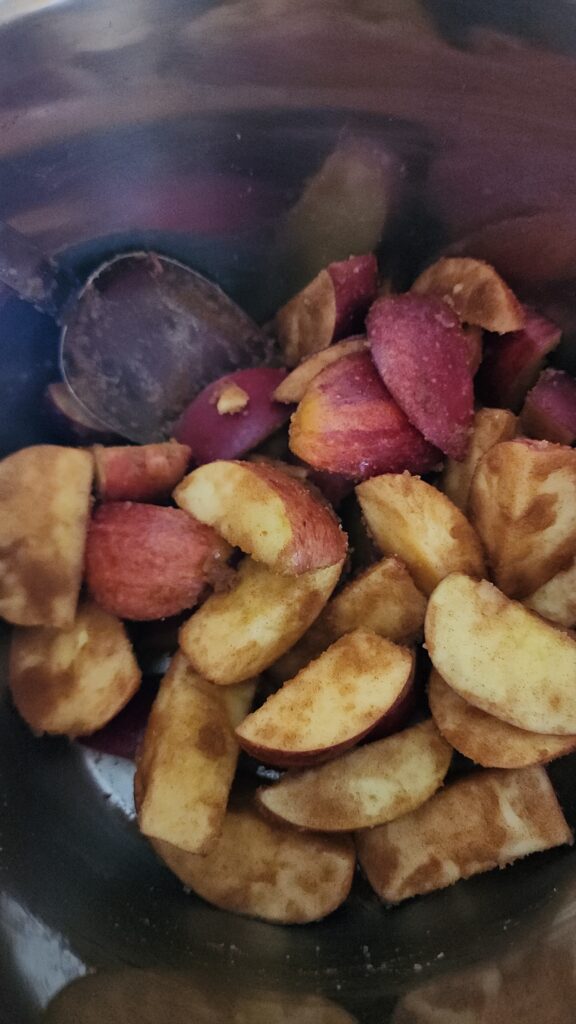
x,y
348,423
237,634
265,512
365,787
44,512
549,412
501,657
556,600
293,388
383,599
187,761
485,739
331,704
474,291
411,519
483,821
490,427
421,353
523,505
233,415
72,680
147,472
511,364
329,308
146,562
263,869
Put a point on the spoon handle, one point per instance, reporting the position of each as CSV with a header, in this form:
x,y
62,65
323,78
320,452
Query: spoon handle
x,y
34,277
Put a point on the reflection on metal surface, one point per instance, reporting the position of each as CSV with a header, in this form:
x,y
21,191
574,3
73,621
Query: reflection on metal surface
x,y
534,985
31,942
135,997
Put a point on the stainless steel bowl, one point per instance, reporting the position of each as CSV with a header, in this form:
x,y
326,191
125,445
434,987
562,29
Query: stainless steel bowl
x,y
192,127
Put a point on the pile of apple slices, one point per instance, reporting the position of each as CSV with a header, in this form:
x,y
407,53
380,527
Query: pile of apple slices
x,y
282,653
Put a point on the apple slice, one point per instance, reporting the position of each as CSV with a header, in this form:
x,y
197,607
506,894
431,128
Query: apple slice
x,y
549,411
421,354
146,562
383,599
147,472
187,761
349,423
265,512
485,739
332,305
233,415
263,869
489,428
411,519
556,600
511,364
365,787
474,339
293,388
44,512
237,634
483,821
474,291
501,657
523,505
331,704
72,680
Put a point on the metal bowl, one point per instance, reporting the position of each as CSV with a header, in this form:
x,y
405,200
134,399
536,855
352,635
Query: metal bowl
x,y
192,128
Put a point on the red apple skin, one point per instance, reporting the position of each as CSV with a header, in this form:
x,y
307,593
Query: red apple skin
x,y
355,284
147,472
146,562
349,424
549,412
70,422
212,435
512,362
421,353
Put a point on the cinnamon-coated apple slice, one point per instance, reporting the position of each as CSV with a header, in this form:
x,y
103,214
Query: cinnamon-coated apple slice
x,y
511,364
349,423
420,352
266,512
328,308
264,869
186,764
237,634
556,600
549,412
383,598
475,291
331,704
293,388
487,740
233,415
147,562
364,787
501,657
44,511
490,427
147,472
483,821
411,519
75,679
523,505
